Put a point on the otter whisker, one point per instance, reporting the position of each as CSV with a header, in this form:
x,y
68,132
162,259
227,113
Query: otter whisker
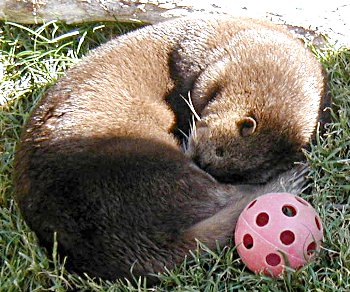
x,y
184,141
190,105
183,133
193,128
194,117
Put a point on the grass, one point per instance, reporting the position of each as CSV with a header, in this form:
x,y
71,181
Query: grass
x,y
33,57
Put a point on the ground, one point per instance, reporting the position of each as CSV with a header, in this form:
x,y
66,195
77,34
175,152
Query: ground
x,y
328,17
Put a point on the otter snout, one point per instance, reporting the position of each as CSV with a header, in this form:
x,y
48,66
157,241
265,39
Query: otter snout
x,y
215,143
203,148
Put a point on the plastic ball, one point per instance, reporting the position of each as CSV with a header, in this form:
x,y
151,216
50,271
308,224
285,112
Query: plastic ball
x,y
278,230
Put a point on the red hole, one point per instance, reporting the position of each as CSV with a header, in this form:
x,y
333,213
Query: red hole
x,y
273,259
248,241
262,219
287,237
251,204
289,211
318,224
302,201
311,248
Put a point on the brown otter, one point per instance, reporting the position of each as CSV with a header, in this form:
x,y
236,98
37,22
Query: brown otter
x,y
100,162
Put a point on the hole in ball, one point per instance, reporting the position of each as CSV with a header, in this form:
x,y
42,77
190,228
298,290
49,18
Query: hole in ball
x,y
251,204
273,259
311,248
262,219
289,210
248,241
287,237
318,224
302,201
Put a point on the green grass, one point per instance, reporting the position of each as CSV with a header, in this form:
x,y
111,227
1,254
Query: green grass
x,y
33,57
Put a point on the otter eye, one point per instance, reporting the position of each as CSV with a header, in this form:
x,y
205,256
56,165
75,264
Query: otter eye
x,y
213,92
247,126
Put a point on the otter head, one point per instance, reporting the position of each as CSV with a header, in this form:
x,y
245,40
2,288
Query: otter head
x,y
240,150
253,121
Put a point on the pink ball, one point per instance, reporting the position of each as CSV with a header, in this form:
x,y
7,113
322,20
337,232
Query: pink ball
x,y
278,230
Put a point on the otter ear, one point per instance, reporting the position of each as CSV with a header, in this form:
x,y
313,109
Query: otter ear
x,y
247,126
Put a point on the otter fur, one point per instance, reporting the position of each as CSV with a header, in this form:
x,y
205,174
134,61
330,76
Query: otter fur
x,y
101,163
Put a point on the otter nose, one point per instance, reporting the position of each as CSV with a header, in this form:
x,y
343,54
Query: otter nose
x,y
203,165
220,152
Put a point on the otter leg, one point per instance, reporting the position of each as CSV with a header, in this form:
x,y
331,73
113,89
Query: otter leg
x,y
220,226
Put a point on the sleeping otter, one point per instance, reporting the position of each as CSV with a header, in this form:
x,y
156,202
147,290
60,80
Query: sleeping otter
x,y
100,160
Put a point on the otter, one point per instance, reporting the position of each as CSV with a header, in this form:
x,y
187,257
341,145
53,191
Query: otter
x,y
100,160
